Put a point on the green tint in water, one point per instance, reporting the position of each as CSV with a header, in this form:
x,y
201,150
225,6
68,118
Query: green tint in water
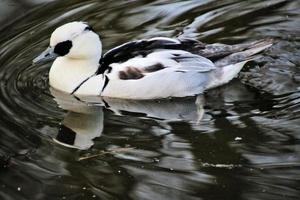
x,y
240,141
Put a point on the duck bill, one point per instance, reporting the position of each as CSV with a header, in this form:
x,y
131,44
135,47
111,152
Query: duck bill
x,y
46,55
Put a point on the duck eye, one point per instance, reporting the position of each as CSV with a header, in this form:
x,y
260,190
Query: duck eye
x,y
63,48
88,28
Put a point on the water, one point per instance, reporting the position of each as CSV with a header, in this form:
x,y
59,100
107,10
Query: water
x,y
240,141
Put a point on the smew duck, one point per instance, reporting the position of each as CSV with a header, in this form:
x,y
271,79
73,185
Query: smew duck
x,y
152,68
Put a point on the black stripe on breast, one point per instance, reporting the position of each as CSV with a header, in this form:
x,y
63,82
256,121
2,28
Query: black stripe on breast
x,y
106,80
85,80
89,28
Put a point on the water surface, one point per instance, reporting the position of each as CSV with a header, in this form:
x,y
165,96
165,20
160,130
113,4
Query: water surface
x,y
240,141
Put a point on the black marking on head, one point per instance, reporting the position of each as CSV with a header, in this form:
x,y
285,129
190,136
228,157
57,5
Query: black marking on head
x,y
131,73
66,135
154,68
63,48
89,28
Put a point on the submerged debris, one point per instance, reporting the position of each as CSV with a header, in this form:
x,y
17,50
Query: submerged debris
x,y
4,161
111,151
226,166
7,160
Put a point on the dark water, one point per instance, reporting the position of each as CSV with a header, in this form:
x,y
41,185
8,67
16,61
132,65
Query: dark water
x,y
240,141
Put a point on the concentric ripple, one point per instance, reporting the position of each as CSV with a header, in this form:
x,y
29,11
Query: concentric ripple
x,y
25,93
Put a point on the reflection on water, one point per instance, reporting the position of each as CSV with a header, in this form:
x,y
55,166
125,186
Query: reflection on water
x,y
246,145
84,120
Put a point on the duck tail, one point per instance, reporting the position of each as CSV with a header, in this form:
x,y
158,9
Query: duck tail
x,y
248,53
231,65
255,48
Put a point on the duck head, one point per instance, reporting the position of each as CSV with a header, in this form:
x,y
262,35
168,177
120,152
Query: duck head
x,y
74,40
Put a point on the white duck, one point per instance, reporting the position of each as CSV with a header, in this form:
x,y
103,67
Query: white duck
x,y
143,69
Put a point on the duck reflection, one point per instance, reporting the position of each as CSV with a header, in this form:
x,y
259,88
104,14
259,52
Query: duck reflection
x,y
81,124
84,120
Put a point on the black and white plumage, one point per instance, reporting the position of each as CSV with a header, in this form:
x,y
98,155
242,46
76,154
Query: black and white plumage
x,y
143,69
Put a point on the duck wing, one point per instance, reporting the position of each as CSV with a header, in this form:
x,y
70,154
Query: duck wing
x,y
160,74
220,54
141,48
168,61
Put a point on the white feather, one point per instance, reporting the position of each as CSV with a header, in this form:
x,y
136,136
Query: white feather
x,y
177,79
66,74
224,74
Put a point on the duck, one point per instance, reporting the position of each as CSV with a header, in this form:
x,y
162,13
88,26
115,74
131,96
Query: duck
x,y
153,68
